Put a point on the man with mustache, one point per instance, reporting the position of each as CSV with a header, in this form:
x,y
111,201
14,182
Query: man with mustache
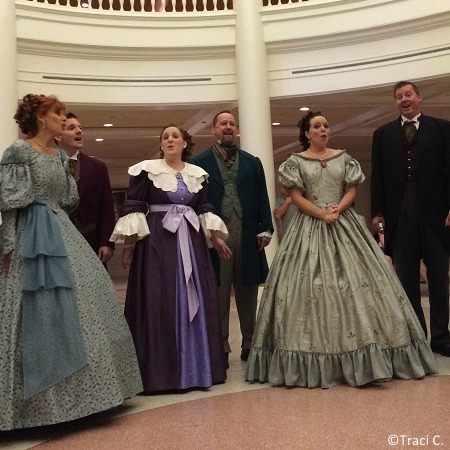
x,y
94,217
237,189
411,200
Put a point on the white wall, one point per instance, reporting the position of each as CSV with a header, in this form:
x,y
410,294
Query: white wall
x,y
335,44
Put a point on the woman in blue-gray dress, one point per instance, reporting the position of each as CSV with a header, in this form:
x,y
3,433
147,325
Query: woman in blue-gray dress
x,y
65,348
333,310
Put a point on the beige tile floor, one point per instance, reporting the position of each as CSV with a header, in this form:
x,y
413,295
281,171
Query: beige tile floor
x,y
240,415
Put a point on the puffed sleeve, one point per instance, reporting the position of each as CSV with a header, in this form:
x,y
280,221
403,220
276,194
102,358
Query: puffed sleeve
x,y
290,175
16,187
133,220
16,191
353,172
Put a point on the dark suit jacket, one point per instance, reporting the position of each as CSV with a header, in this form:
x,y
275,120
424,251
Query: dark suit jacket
x,y
256,213
432,156
96,201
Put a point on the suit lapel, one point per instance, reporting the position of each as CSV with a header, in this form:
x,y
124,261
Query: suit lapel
x,y
212,168
244,166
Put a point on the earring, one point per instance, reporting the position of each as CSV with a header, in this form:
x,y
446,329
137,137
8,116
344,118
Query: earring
x,y
185,145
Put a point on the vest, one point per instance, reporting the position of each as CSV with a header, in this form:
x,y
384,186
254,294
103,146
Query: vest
x,y
230,201
410,156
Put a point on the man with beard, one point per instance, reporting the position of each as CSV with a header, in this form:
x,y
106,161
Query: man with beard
x,y
94,217
237,189
411,200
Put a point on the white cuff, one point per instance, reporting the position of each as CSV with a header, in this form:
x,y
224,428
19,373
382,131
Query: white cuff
x,y
209,221
129,225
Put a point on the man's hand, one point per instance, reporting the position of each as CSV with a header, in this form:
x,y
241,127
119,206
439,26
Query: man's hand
x,y
105,253
377,220
263,241
447,220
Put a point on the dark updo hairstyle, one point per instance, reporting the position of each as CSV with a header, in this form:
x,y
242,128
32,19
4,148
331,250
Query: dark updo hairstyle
x,y
33,106
187,152
304,124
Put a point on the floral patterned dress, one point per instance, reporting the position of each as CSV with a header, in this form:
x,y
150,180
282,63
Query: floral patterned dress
x,y
333,311
65,348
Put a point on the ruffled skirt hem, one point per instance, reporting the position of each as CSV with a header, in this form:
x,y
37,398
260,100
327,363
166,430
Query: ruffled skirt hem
x,y
368,364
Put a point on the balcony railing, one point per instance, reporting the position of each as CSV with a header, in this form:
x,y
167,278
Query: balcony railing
x,y
148,6
144,5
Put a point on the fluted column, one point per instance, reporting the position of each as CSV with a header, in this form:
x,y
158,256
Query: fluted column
x,y
8,63
255,125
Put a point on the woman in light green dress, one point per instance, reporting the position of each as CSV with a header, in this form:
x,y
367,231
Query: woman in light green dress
x,y
65,348
332,311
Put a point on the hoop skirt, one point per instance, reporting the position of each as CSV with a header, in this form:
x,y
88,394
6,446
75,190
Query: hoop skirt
x,y
333,310
37,321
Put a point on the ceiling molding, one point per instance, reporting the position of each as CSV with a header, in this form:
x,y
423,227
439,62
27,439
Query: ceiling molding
x,y
367,35
79,51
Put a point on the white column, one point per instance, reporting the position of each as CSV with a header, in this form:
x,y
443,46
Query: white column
x,y
8,63
255,126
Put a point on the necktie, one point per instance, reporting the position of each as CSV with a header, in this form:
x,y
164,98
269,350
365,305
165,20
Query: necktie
x,y
410,130
72,166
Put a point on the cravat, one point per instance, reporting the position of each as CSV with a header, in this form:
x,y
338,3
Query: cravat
x,y
72,166
410,129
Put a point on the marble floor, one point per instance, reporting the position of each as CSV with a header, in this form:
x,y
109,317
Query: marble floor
x,y
239,415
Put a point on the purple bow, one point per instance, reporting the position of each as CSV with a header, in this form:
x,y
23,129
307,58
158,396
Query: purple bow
x,y
175,220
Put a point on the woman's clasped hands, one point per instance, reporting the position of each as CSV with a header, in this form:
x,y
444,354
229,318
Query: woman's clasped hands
x,y
331,214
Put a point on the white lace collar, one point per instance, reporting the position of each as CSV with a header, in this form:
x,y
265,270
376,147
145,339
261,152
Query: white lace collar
x,y
164,177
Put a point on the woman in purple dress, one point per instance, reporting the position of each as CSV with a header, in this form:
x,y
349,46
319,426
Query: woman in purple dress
x,y
171,304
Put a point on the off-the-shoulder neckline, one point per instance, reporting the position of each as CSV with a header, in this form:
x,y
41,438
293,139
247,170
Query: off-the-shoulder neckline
x,y
307,158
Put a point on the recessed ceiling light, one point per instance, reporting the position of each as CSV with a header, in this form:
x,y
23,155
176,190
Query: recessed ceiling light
x,y
276,123
304,108
108,125
99,139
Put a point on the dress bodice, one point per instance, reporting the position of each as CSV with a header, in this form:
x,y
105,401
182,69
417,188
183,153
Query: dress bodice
x,y
48,179
182,196
27,174
323,186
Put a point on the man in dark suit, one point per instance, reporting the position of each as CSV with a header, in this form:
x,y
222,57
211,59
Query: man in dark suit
x,y
411,200
237,189
94,216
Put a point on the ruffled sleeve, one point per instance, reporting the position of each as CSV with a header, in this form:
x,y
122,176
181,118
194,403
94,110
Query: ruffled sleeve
x,y
353,172
133,213
290,175
133,221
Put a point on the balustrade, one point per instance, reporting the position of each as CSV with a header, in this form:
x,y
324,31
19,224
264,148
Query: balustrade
x,y
145,5
159,5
